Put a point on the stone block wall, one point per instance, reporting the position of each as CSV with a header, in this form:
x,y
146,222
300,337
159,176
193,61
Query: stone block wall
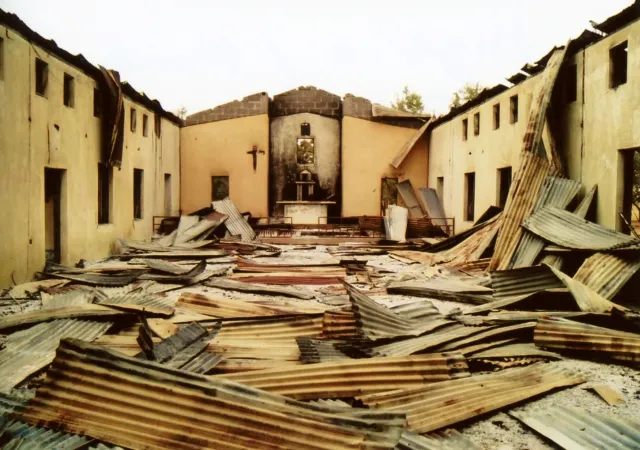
x,y
251,105
306,99
358,107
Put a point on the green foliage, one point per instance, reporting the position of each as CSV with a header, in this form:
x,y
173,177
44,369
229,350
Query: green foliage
x,y
408,102
467,92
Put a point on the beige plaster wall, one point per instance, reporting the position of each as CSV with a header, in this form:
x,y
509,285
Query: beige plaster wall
x,y
367,151
592,152
38,132
218,149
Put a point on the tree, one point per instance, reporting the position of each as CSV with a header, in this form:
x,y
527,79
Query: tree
x,y
181,112
467,92
408,102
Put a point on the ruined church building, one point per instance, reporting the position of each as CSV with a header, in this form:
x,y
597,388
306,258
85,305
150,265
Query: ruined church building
x,y
87,159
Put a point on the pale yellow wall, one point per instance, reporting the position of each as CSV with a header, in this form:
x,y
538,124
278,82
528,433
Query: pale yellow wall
x,y
220,149
367,151
611,123
29,142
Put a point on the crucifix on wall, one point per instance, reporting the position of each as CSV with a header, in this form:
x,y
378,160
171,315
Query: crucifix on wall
x,y
255,152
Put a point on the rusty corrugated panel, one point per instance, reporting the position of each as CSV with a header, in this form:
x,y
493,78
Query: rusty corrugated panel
x,y
226,308
277,328
491,334
556,192
234,285
97,279
235,223
523,281
149,303
472,248
18,435
355,376
445,440
606,273
587,299
47,315
423,310
405,189
522,196
14,400
186,277
563,334
375,321
431,204
522,349
443,289
319,350
28,351
146,405
573,428
533,169
312,280
439,405
338,325
429,341
571,231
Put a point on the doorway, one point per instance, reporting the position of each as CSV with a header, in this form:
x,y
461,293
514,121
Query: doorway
x,y
167,194
628,219
53,185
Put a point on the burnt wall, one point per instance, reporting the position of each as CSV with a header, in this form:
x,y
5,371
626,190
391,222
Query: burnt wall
x,y
359,107
252,105
306,99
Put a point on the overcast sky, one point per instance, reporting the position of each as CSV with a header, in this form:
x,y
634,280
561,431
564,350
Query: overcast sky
x,y
199,54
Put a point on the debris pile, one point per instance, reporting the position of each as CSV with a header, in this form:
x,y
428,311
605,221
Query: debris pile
x,y
208,338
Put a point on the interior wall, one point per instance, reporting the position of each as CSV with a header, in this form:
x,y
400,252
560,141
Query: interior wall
x,y
38,132
220,149
367,151
283,161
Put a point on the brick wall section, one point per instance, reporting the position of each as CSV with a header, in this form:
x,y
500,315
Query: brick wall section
x,y
358,107
306,99
252,105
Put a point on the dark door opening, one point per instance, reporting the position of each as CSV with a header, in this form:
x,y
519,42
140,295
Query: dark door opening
x,y
629,183
389,193
53,179
167,194
504,184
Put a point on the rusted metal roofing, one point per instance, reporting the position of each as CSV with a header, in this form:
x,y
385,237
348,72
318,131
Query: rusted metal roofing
x,y
149,303
97,279
218,306
522,349
14,400
318,350
421,309
606,273
523,281
623,18
520,202
46,315
311,279
236,224
146,405
571,231
439,405
443,289
375,321
564,334
277,328
408,146
490,334
556,192
352,377
28,351
235,285
378,110
338,324
573,428
192,274
517,78
587,299
445,440
16,435
411,346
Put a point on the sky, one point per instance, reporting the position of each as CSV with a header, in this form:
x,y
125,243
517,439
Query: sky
x,y
202,53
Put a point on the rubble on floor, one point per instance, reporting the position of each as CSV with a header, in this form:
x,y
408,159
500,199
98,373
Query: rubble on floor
x,y
205,340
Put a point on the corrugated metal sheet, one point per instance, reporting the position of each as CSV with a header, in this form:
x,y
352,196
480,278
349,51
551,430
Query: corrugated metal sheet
x,y
46,315
186,277
443,289
314,351
428,199
28,351
70,298
236,224
14,400
313,280
573,428
472,248
338,325
217,306
605,273
374,321
161,265
422,310
556,192
523,281
563,334
19,435
355,376
143,404
571,231
97,279
431,340
149,303
408,146
277,328
522,349
439,405
587,299
405,189
234,285
491,334
520,202
446,440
